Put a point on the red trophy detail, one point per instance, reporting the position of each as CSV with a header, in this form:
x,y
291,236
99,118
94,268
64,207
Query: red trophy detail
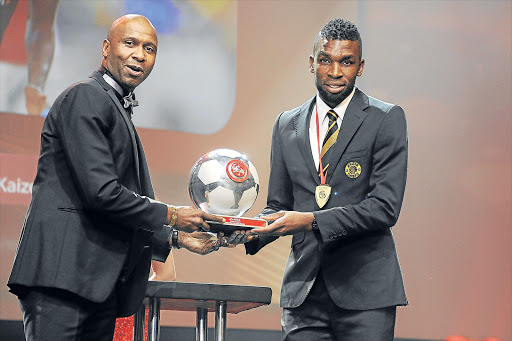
x,y
237,170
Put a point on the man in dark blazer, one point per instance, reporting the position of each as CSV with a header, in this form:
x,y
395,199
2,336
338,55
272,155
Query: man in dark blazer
x,y
342,280
93,225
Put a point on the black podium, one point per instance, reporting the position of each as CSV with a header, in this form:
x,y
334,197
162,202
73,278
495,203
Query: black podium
x,y
199,297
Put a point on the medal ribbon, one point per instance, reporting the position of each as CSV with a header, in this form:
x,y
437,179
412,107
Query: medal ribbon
x,y
322,175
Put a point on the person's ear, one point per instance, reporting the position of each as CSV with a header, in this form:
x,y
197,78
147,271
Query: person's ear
x,y
105,47
361,67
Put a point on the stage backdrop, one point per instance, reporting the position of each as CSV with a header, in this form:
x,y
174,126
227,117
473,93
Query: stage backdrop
x,y
226,69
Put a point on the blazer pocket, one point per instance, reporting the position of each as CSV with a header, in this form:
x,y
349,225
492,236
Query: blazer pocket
x,y
298,238
69,209
354,154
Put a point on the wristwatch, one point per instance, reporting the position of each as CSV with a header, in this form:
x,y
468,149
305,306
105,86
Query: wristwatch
x,y
175,239
314,224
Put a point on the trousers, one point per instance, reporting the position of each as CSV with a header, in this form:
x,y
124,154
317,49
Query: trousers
x,y
51,314
320,319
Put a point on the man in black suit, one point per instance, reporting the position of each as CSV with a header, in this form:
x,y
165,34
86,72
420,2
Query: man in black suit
x,y
93,225
342,280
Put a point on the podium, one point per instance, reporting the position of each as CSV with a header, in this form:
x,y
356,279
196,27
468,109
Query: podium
x,y
199,297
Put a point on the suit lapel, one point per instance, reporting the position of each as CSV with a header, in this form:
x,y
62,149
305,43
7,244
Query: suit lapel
x,y
111,92
301,126
352,119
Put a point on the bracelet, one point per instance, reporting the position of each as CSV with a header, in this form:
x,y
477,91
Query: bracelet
x,y
175,239
174,216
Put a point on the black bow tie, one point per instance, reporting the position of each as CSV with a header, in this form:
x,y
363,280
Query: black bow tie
x,y
129,100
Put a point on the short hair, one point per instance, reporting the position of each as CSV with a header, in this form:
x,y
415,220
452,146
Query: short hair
x,y
339,29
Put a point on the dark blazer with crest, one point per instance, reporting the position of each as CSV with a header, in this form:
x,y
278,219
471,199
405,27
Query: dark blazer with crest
x,y
354,246
92,222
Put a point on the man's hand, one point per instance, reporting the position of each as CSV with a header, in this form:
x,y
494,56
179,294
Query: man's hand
x,y
286,223
192,219
199,242
238,237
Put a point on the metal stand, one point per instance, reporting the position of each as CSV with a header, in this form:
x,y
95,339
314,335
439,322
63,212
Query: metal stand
x,y
220,320
154,320
199,297
202,324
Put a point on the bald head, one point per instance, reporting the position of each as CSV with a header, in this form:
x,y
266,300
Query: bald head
x,y
121,21
129,52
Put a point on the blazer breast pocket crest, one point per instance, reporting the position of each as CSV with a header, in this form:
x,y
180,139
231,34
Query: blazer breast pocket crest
x,y
353,170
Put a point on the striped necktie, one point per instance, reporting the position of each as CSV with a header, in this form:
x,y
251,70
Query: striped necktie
x,y
330,139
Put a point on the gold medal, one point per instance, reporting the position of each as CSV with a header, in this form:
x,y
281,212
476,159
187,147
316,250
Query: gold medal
x,y
322,194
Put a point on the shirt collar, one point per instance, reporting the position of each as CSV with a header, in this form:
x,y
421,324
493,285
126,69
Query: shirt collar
x,y
340,109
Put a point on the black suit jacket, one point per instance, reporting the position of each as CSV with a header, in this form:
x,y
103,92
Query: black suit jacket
x,y
354,245
91,220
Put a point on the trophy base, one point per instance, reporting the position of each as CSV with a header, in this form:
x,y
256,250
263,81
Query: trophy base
x,y
233,224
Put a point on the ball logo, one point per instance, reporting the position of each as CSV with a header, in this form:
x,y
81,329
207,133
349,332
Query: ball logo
x,y
237,170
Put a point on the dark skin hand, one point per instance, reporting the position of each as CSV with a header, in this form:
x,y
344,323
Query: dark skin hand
x,y
285,223
281,224
192,219
238,237
201,243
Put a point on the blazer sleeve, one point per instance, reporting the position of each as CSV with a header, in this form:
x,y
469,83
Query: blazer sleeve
x,y
280,191
84,125
161,244
381,207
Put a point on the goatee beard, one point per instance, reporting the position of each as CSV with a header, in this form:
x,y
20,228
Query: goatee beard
x,y
331,99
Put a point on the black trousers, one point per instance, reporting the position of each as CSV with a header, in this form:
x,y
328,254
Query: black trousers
x,y
320,319
51,314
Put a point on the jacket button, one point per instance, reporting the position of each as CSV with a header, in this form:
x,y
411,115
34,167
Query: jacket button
x,y
344,232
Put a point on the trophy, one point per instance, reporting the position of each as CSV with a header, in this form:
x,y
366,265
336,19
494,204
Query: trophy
x,y
225,183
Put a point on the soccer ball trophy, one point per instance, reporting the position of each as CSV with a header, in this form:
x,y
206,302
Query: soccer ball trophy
x,y
224,182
